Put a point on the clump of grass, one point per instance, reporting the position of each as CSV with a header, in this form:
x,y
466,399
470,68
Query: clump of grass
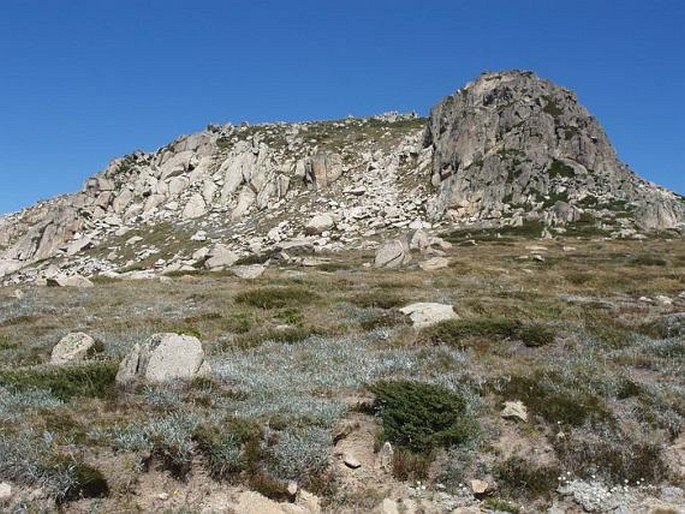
x,y
534,335
222,444
410,466
92,379
421,417
277,297
518,477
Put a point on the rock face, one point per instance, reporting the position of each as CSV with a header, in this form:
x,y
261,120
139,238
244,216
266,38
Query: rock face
x,y
164,357
511,140
508,149
73,347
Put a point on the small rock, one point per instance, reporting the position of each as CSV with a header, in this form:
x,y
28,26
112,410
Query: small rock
x,y
163,496
479,487
539,258
220,257
5,491
425,314
292,489
351,462
74,281
248,271
434,263
200,236
515,410
73,347
385,457
319,223
664,300
18,294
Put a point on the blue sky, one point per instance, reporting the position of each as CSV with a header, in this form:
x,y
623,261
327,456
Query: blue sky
x,y
84,81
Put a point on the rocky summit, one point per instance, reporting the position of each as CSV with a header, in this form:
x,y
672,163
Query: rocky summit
x,y
507,150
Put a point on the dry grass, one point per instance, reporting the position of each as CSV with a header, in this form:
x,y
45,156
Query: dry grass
x,y
574,341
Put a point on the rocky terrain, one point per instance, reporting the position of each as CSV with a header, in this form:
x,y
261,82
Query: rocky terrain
x,y
482,311
508,149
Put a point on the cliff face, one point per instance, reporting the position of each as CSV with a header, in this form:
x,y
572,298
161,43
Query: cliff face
x,y
510,143
507,148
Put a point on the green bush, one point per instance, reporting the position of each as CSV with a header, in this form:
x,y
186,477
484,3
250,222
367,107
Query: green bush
x,y
92,379
518,477
221,445
536,334
420,417
276,297
454,331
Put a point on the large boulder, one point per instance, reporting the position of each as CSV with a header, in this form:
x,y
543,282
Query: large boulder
x,y
319,223
73,347
220,257
164,357
392,254
425,314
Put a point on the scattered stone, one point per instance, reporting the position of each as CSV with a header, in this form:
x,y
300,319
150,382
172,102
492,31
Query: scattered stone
x,y
434,263
479,487
425,314
515,410
73,347
389,506
248,271
199,236
73,281
664,300
164,357
351,462
392,254
385,457
5,491
18,294
292,489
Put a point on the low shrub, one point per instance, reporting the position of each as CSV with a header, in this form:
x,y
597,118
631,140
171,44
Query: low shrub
x,y
79,480
420,417
519,477
92,379
276,297
535,334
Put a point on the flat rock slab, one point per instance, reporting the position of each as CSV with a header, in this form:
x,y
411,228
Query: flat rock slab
x,y
248,271
425,314
74,281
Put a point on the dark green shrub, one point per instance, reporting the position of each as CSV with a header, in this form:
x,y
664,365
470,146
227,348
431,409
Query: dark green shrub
x,y
421,417
276,297
454,331
535,334
92,379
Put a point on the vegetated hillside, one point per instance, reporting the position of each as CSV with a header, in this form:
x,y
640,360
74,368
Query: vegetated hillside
x,y
314,369
506,150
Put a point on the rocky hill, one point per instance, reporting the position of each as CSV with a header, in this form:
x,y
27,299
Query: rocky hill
x,y
507,149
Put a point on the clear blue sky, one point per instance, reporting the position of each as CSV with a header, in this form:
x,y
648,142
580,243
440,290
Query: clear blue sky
x,y
83,81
